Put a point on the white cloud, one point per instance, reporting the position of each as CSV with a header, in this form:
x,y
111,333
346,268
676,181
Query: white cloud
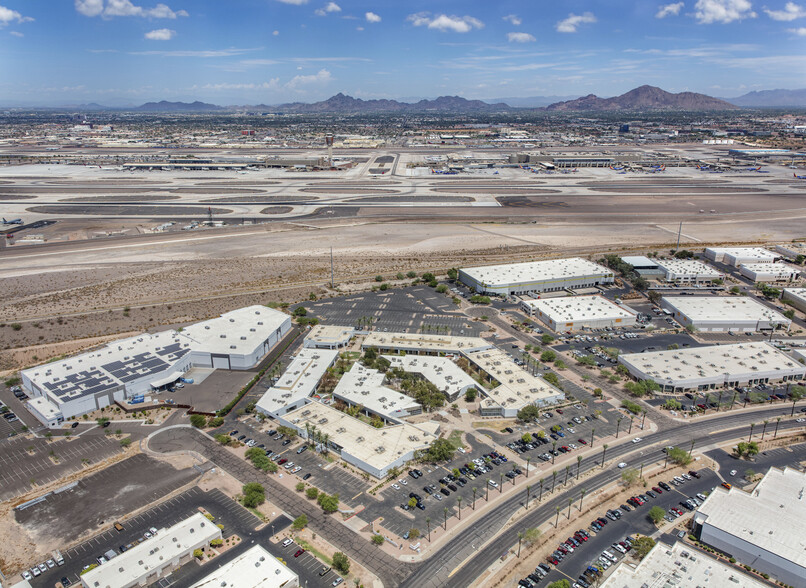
x,y
790,12
160,35
669,10
372,17
800,31
202,53
272,84
444,23
114,8
570,24
520,38
722,11
513,19
7,16
321,77
327,9
16,34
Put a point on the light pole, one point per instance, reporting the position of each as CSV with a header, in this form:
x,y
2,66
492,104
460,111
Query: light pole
x,y
446,517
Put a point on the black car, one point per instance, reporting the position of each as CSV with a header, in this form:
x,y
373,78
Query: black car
x,y
413,474
286,442
445,491
65,581
665,486
106,424
122,548
306,476
74,425
452,487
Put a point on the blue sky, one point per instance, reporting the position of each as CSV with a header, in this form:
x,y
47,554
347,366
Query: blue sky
x,y
272,51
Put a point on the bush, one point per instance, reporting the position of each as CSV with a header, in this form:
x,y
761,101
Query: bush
x,y
411,274
732,560
300,522
656,514
547,339
198,553
631,406
340,561
529,413
442,288
379,278
198,421
440,450
300,486
328,503
312,493
216,543
215,422
253,495
470,394
478,299
548,356
378,539
300,311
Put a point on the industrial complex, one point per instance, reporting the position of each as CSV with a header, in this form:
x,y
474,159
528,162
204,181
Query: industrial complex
x,y
769,272
573,313
714,366
757,527
689,271
536,276
736,256
254,568
150,362
796,297
723,314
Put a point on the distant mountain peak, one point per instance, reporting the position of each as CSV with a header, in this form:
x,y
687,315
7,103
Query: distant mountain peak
x,y
645,98
344,103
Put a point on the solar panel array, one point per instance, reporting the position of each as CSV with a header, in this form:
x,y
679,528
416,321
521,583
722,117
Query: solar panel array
x,y
83,383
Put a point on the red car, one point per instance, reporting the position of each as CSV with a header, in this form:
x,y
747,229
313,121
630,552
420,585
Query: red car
x,y
559,411
299,552
282,461
582,441
658,490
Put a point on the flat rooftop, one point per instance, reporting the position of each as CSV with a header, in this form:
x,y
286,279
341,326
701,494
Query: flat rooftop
x,y
239,331
330,334
536,271
299,379
724,309
518,387
765,516
115,364
791,249
440,371
678,565
689,267
579,308
152,554
713,361
376,447
254,568
799,293
639,261
746,252
364,386
424,342
770,268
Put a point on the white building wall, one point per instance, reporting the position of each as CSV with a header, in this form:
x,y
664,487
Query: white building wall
x,y
797,302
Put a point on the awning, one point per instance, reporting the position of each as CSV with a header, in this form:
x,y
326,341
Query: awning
x,y
169,379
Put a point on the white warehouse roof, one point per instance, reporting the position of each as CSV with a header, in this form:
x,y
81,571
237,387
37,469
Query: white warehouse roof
x,y
687,267
364,386
580,308
536,271
299,380
254,568
724,309
239,331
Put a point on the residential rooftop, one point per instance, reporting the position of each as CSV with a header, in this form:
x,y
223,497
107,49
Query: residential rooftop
x,y
536,271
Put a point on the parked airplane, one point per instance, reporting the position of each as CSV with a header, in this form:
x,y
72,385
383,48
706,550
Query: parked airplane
x,y
16,221
797,177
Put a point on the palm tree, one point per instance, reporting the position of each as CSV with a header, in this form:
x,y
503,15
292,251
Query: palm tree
x,y
501,484
553,451
643,418
592,432
557,522
539,498
752,425
604,449
554,481
579,463
487,496
520,538
567,471
528,459
777,422
570,502
630,430
459,511
445,512
733,399
581,496
691,448
764,430
528,492
474,497
618,425
428,524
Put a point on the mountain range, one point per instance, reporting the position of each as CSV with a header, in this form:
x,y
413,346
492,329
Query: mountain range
x,y
641,98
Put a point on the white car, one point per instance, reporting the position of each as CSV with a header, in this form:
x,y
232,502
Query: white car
x,y
296,469
287,542
637,440
800,420
36,571
26,575
733,472
395,486
622,465
461,450
289,465
403,482
153,530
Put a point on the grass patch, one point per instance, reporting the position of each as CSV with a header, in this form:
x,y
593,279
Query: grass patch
x,y
308,547
455,439
256,512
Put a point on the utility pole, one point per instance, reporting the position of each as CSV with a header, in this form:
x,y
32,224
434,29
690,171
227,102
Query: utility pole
x,y
331,267
679,231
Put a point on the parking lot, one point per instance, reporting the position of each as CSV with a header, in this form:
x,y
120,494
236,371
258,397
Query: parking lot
x,y
630,523
25,462
413,309
115,491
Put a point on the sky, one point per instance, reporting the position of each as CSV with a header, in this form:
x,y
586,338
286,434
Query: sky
x,y
127,52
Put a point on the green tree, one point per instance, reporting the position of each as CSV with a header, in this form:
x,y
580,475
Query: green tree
x,y
411,274
562,583
198,553
440,450
470,394
453,273
253,495
329,503
629,476
672,404
679,456
300,311
340,561
586,360
312,493
414,533
378,539
526,438
379,278
198,421
642,546
300,486
656,514
215,422
547,339
548,356
790,314
300,522
442,288
529,413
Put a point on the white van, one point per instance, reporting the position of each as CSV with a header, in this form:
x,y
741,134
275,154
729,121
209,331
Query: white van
x,y
609,556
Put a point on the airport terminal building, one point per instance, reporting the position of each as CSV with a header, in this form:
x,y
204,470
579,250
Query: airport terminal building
x,y
700,369
536,276
718,314
573,313
149,362
762,528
